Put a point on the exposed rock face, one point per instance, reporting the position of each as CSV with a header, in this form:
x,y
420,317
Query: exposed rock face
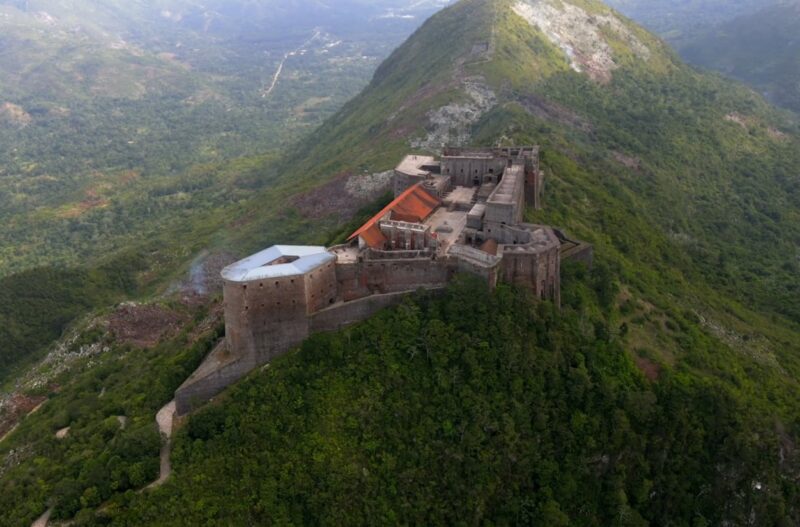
x,y
368,186
581,35
451,124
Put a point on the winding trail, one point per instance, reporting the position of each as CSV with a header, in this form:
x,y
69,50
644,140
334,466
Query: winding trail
x,y
11,430
43,519
292,53
165,418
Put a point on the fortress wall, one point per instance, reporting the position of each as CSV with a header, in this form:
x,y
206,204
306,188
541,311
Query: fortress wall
x,y
197,392
550,268
389,276
539,272
508,235
349,283
500,213
339,316
583,252
464,170
236,333
490,274
321,289
392,276
534,185
266,317
402,181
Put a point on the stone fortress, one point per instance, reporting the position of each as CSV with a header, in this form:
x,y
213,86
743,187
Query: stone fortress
x,y
461,213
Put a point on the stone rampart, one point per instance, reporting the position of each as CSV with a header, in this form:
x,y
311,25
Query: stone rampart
x,y
218,371
342,315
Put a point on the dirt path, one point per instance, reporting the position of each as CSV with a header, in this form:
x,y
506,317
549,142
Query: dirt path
x,y
165,418
277,75
43,519
33,411
11,431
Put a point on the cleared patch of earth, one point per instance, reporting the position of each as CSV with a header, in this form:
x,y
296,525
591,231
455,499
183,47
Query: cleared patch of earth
x,y
774,133
143,325
634,163
15,115
737,118
13,408
343,196
551,111
650,369
91,202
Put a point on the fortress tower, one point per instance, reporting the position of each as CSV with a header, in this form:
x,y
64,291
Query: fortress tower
x,y
464,213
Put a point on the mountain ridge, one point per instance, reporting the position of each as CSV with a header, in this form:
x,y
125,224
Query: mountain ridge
x,y
668,383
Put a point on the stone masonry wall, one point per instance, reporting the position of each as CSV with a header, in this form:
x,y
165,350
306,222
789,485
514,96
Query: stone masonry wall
x,y
342,315
465,170
541,273
196,391
389,276
321,288
266,317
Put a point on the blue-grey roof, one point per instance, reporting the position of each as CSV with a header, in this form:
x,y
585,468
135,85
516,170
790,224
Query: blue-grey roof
x,y
256,267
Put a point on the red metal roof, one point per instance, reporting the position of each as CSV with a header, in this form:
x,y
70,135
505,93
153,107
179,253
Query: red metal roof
x,y
374,237
414,206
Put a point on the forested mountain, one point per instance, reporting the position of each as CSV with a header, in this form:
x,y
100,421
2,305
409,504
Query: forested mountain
x,y
116,117
663,393
677,20
761,49
123,123
754,41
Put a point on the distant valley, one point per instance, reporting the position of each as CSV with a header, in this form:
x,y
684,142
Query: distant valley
x,y
117,117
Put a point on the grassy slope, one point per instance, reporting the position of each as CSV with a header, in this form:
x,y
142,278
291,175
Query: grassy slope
x,y
697,272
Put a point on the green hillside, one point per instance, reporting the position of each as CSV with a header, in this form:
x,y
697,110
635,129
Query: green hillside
x,y
664,393
126,124
760,49
752,41
118,118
